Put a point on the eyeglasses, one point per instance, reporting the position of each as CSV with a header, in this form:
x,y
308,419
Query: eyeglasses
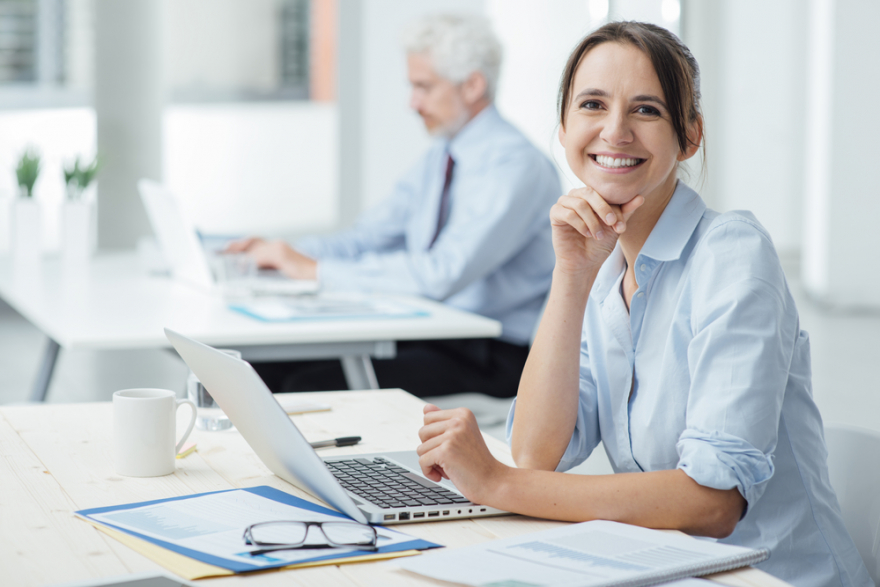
x,y
286,535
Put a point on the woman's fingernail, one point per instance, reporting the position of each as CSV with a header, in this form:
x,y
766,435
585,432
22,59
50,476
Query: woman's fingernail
x,y
619,227
610,218
599,235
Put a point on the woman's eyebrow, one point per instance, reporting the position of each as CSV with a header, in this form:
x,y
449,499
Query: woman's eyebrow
x,y
649,98
591,92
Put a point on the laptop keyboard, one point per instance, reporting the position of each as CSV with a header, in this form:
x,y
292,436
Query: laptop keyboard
x,y
387,485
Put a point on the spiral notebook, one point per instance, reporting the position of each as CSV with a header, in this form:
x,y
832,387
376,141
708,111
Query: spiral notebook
x,y
590,554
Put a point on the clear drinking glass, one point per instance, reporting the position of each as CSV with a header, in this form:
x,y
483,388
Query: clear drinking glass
x,y
209,416
236,273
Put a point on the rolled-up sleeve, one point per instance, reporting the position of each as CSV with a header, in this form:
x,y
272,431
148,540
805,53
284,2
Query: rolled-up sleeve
x,y
739,359
722,461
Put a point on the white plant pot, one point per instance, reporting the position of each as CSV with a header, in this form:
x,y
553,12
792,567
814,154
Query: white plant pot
x,y
27,239
77,227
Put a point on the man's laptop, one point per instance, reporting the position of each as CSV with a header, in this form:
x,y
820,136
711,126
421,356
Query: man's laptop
x,y
382,488
185,253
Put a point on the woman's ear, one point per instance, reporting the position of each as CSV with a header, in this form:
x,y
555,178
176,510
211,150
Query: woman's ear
x,y
561,135
695,138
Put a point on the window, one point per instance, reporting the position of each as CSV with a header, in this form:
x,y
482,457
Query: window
x,y
215,51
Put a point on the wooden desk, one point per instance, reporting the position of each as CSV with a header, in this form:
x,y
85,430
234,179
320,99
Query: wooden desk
x,y
113,304
55,459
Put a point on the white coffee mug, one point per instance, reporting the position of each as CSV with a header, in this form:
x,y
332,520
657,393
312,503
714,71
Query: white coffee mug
x,y
144,424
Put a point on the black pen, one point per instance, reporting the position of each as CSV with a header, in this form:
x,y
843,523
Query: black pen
x,y
344,441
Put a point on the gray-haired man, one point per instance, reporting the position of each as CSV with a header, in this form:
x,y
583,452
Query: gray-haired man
x,y
467,225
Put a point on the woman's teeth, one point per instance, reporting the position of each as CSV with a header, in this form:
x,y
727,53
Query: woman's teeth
x,y
617,161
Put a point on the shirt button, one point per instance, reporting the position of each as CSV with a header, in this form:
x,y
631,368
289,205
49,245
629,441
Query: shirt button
x,y
641,294
643,267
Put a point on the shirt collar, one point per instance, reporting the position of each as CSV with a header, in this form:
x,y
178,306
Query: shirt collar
x,y
609,274
666,242
472,132
675,226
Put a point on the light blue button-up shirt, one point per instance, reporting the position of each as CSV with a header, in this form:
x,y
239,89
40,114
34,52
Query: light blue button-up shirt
x,y
720,376
494,255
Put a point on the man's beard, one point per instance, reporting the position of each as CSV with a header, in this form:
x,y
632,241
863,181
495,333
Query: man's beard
x,y
451,128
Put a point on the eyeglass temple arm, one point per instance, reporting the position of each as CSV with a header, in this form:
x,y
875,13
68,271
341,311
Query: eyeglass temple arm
x,y
368,548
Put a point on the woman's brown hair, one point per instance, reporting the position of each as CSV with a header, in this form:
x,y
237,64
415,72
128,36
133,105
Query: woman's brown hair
x,y
676,68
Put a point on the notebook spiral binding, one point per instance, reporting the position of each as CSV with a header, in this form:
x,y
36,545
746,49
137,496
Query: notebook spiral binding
x,y
687,571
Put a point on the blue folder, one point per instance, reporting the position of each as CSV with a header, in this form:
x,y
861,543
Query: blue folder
x,y
241,567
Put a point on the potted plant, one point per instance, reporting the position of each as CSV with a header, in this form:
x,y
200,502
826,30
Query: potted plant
x,y
27,171
26,221
78,215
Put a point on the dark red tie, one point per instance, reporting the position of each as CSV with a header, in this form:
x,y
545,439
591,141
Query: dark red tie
x,y
444,199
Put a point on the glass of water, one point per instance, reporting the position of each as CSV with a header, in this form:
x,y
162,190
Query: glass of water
x,y
209,416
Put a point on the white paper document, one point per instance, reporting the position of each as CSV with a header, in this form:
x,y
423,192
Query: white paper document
x,y
214,524
589,554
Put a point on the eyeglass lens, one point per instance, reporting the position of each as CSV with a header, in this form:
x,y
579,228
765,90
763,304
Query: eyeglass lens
x,y
295,533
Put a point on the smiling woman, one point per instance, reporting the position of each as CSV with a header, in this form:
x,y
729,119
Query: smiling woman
x,y
670,335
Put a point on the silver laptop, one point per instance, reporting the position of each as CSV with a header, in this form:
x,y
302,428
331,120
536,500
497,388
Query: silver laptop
x,y
386,488
186,255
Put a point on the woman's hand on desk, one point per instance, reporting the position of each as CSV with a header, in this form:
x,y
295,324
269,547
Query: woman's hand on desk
x,y
278,255
453,448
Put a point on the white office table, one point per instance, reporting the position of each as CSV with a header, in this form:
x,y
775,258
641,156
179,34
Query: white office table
x,y
56,459
112,303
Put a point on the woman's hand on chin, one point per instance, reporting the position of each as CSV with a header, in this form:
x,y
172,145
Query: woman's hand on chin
x,y
586,228
453,448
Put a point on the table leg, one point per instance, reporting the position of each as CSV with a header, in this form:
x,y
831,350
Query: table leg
x,y
355,357
44,375
359,373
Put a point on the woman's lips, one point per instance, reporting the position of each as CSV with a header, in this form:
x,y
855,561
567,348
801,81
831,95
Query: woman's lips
x,y
616,163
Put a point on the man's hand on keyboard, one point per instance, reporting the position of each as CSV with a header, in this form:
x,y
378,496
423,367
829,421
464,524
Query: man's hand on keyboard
x,y
276,255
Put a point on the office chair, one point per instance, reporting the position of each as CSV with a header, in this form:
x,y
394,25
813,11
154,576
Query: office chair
x,y
854,468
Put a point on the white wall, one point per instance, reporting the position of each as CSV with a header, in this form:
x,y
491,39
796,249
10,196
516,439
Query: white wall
x,y
841,240
665,13
755,144
254,168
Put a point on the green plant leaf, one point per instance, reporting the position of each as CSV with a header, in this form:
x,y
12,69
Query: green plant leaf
x,y
87,174
28,170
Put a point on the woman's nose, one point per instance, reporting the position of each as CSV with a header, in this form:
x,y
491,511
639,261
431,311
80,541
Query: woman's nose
x,y
616,130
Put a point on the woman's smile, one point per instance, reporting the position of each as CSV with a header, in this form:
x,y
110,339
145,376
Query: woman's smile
x,y
616,163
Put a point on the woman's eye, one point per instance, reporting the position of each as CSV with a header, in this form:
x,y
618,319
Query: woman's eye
x,y
648,110
591,105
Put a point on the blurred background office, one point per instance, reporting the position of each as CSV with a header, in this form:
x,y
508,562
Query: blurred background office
x,y
289,116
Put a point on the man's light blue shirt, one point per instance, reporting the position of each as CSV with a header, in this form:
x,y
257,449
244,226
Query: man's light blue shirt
x,y
493,257
720,376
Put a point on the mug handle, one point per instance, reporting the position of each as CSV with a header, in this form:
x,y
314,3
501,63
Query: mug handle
x,y
192,422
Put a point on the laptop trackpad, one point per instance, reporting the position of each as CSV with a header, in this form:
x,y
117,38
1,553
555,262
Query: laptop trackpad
x,y
410,459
